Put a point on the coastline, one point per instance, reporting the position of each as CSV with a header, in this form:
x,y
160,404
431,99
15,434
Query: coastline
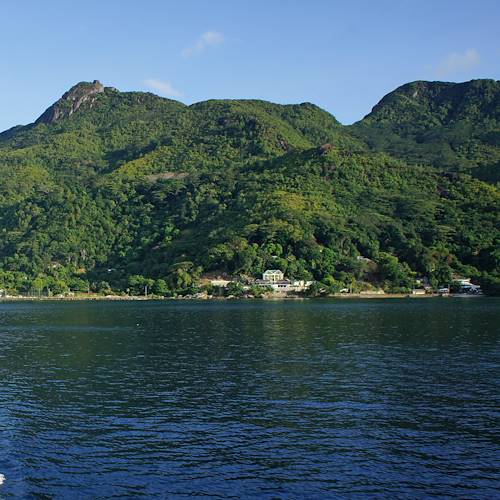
x,y
130,298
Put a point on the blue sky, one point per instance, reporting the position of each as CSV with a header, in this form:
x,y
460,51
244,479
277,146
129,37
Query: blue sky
x,y
343,56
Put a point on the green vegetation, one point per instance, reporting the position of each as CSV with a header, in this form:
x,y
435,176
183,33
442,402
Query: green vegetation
x,y
132,193
447,125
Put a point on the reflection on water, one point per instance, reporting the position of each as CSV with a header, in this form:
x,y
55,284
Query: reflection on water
x,y
263,399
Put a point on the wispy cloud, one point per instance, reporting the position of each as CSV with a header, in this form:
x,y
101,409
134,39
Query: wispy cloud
x,y
458,62
164,88
207,39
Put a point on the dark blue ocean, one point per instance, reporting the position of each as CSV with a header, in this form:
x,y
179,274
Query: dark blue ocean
x,y
251,399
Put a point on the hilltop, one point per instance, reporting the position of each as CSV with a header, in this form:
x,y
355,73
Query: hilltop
x,y
98,127
455,126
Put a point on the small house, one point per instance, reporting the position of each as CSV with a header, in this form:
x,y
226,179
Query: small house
x,y
274,279
273,275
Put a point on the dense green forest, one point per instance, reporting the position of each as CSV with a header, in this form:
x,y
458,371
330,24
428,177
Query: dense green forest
x,y
111,191
448,125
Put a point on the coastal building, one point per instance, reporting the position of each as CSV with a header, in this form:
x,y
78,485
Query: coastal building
x,y
273,275
470,288
465,285
275,280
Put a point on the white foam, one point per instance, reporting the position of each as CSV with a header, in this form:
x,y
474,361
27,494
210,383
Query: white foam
x,y
2,479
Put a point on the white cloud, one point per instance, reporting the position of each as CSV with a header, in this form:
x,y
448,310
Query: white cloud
x,y
207,39
164,88
458,62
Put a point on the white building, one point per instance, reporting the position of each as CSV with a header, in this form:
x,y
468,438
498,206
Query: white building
x,y
273,275
274,279
466,286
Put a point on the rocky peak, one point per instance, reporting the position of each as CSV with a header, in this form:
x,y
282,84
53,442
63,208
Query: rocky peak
x,y
78,95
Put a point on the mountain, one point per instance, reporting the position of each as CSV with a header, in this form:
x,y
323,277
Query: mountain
x,y
115,190
455,126
82,94
98,129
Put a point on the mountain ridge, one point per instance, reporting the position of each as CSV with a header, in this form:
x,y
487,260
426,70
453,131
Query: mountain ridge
x,y
448,125
160,192
435,94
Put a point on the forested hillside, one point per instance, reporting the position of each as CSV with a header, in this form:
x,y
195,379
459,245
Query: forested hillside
x,y
455,126
112,191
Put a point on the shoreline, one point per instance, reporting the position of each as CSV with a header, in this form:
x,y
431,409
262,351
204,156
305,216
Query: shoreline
x,y
120,298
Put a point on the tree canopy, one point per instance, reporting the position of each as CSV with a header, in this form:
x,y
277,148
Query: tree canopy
x,y
133,192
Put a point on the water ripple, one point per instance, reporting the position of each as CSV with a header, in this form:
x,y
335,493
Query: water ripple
x,y
250,399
